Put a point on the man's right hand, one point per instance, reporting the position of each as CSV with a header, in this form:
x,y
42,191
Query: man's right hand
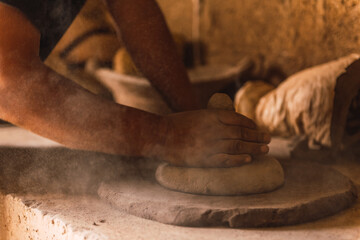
x,y
211,138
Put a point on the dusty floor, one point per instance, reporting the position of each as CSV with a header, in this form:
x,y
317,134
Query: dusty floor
x,y
84,216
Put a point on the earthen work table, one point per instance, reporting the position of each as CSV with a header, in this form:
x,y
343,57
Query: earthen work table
x,y
71,210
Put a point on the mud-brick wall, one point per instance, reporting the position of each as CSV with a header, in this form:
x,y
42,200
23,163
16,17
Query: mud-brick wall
x,y
290,34
178,14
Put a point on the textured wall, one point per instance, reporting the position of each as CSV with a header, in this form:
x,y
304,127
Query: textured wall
x,y
292,34
178,14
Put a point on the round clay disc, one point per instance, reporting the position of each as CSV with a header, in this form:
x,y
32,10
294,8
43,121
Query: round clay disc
x,y
263,174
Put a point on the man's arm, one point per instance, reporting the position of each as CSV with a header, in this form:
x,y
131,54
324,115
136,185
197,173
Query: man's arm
x,y
36,98
143,30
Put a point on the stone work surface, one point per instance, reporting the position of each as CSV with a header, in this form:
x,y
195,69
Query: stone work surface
x,y
80,215
32,164
287,34
50,217
310,192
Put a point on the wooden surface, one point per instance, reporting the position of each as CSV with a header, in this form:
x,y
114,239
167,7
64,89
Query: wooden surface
x,y
311,192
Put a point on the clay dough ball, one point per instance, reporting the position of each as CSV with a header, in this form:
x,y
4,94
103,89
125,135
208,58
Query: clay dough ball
x,y
263,174
220,101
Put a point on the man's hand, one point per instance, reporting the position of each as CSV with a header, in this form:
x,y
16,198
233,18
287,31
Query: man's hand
x,y
211,138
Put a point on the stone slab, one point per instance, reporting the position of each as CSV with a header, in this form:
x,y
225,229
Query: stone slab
x,y
88,217
310,192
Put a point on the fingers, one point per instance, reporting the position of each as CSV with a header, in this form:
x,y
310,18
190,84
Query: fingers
x,y
233,118
246,134
226,160
236,147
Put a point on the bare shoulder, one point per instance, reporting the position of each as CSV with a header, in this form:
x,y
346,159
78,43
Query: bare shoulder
x,y
18,34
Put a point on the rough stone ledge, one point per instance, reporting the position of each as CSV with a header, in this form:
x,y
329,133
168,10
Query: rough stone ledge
x,y
86,217
68,216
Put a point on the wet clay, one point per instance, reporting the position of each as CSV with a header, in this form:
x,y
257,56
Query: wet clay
x,y
263,174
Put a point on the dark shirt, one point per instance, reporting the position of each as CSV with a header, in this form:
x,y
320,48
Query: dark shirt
x,y
51,17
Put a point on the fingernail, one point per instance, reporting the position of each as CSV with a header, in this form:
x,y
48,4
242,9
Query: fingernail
x,y
264,149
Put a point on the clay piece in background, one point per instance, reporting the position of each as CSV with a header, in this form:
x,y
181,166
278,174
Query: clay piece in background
x,y
123,64
303,104
263,174
137,92
311,191
247,98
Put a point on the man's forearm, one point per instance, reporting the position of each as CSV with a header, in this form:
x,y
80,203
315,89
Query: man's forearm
x,y
143,30
38,99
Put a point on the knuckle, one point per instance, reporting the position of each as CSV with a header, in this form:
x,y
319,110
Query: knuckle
x,y
238,146
215,161
245,134
259,149
260,137
232,146
264,137
240,133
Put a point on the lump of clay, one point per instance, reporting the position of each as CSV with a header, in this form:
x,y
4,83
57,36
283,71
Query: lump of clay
x,y
247,98
264,174
220,101
303,104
